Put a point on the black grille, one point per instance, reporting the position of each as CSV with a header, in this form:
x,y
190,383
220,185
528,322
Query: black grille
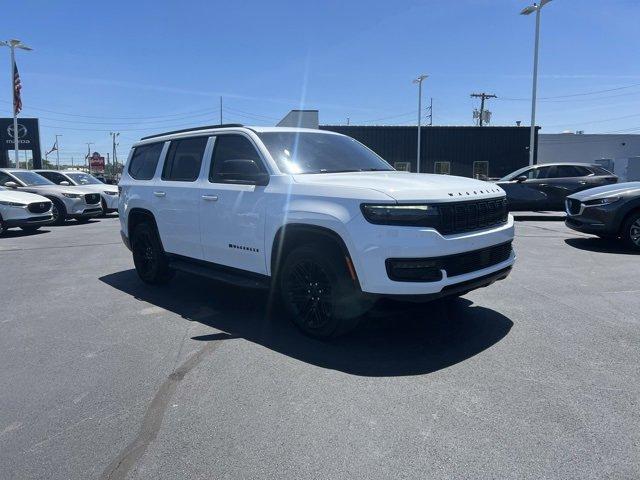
x,y
457,264
573,206
92,198
39,207
474,215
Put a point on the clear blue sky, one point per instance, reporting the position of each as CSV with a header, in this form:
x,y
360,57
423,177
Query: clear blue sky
x,y
167,63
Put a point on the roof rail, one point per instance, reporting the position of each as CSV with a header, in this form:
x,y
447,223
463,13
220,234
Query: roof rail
x,y
194,129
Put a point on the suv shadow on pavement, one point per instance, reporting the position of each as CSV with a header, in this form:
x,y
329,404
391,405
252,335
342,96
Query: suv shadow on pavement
x,y
600,245
405,339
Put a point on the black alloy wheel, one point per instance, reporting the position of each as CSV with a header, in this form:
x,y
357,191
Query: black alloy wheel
x,y
318,293
148,256
631,231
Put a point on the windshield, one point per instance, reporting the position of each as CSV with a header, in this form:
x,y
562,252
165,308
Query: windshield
x,y
31,178
307,152
83,179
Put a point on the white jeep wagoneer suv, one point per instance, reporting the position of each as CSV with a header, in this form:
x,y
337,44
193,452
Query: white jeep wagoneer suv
x,y
313,214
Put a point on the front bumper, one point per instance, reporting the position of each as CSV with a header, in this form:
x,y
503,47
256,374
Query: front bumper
x,y
110,201
29,221
597,220
455,289
377,243
86,211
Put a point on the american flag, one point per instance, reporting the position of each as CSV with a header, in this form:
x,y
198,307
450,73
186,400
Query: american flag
x,y
17,86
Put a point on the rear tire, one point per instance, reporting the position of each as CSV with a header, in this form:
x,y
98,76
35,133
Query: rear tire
x,y
2,227
148,256
318,293
32,228
631,231
58,211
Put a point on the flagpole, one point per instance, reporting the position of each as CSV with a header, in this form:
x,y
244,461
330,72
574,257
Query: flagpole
x,y
16,145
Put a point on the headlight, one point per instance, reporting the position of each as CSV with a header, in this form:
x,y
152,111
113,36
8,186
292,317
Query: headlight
x,y
598,202
72,195
407,215
13,204
110,193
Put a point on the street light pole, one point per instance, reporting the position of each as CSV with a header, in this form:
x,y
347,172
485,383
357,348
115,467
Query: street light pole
x,y
528,11
13,44
419,82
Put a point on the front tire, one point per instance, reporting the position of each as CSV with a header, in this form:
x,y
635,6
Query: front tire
x,y
317,292
148,256
631,231
58,211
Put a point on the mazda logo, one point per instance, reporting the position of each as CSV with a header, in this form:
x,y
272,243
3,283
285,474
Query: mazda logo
x,y
42,205
22,130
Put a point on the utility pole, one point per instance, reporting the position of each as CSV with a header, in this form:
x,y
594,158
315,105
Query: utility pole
x,y
57,153
431,111
89,154
419,81
220,109
348,121
114,135
483,96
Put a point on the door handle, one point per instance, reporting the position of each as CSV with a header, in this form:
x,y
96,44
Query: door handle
x,y
210,198
159,194
543,185
582,183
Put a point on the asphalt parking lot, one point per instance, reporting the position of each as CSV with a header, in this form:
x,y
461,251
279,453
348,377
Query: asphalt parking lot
x,y
537,376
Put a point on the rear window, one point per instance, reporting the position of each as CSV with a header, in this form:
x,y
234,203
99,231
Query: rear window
x,y
144,161
600,171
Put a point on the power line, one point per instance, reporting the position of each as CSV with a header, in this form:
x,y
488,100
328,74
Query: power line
x,y
577,94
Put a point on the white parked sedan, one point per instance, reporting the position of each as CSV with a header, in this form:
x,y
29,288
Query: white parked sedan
x,y
108,193
27,211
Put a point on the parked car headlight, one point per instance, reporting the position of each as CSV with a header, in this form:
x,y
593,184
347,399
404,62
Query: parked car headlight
x,y
13,204
110,193
72,195
407,215
598,202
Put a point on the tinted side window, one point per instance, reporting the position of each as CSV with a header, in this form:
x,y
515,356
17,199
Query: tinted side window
x,y
536,173
184,159
583,171
565,171
144,161
54,177
229,152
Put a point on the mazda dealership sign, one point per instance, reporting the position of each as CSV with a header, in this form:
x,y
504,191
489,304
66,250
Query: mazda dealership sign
x,y
28,139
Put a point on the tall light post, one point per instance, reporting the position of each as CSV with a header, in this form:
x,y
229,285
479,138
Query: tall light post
x,y
114,136
13,44
528,11
89,154
419,82
57,153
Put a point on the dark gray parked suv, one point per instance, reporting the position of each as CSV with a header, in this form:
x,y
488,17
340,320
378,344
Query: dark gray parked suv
x,y
610,212
544,187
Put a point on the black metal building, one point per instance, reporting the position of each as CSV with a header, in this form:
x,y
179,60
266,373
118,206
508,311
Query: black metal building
x,y
466,151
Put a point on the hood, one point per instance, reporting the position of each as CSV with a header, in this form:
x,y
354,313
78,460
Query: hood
x,y
21,197
407,186
607,191
54,189
94,188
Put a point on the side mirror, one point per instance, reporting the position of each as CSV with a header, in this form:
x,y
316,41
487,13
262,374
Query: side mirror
x,y
521,178
65,183
243,172
11,184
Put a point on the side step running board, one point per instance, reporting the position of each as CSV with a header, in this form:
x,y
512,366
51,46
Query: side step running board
x,y
221,275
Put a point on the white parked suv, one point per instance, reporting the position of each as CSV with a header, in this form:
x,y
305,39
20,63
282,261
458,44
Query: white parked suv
x,y
108,193
25,210
312,214
68,202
